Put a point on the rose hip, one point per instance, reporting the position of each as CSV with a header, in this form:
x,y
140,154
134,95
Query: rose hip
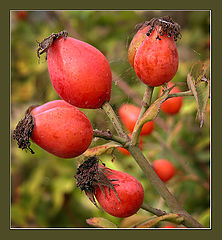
x,y
79,72
164,169
57,127
130,193
172,105
153,53
129,114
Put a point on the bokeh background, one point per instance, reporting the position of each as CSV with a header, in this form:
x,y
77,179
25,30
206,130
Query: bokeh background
x,y
43,190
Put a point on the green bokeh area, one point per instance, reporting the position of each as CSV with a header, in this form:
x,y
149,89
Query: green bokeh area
x,y
43,189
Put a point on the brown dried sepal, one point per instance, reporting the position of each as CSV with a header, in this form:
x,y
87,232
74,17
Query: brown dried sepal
x,y
47,42
23,130
90,175
164,26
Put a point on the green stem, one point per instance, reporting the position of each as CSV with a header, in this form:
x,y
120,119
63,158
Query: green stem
x,y
107,135
115,121
145,105
155,211
158,213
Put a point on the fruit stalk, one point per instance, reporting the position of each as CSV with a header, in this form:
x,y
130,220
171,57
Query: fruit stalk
x,y
115,121
145,105
155,211
107,135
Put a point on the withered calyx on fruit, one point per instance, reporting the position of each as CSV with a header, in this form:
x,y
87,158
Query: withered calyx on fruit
x,y
166,27
90,174
47,42
23,130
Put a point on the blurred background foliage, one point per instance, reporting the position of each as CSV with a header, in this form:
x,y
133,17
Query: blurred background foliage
x,y
43,190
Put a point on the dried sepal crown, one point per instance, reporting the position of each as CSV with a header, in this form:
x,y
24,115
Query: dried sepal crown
x,y
91,175
23,130
164,26
47,42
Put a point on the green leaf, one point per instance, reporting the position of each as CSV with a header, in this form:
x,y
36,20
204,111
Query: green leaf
x,y
132,221
102,149
97,151
153,110
100,222
203,95
199,85
154,220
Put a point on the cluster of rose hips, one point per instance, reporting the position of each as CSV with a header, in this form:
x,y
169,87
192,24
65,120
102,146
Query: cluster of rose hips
x,y
82,77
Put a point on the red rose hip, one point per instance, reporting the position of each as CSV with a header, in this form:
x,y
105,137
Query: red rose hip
x,y
172,105
79,72
130,193
129,114
153,53
164,169
61,129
